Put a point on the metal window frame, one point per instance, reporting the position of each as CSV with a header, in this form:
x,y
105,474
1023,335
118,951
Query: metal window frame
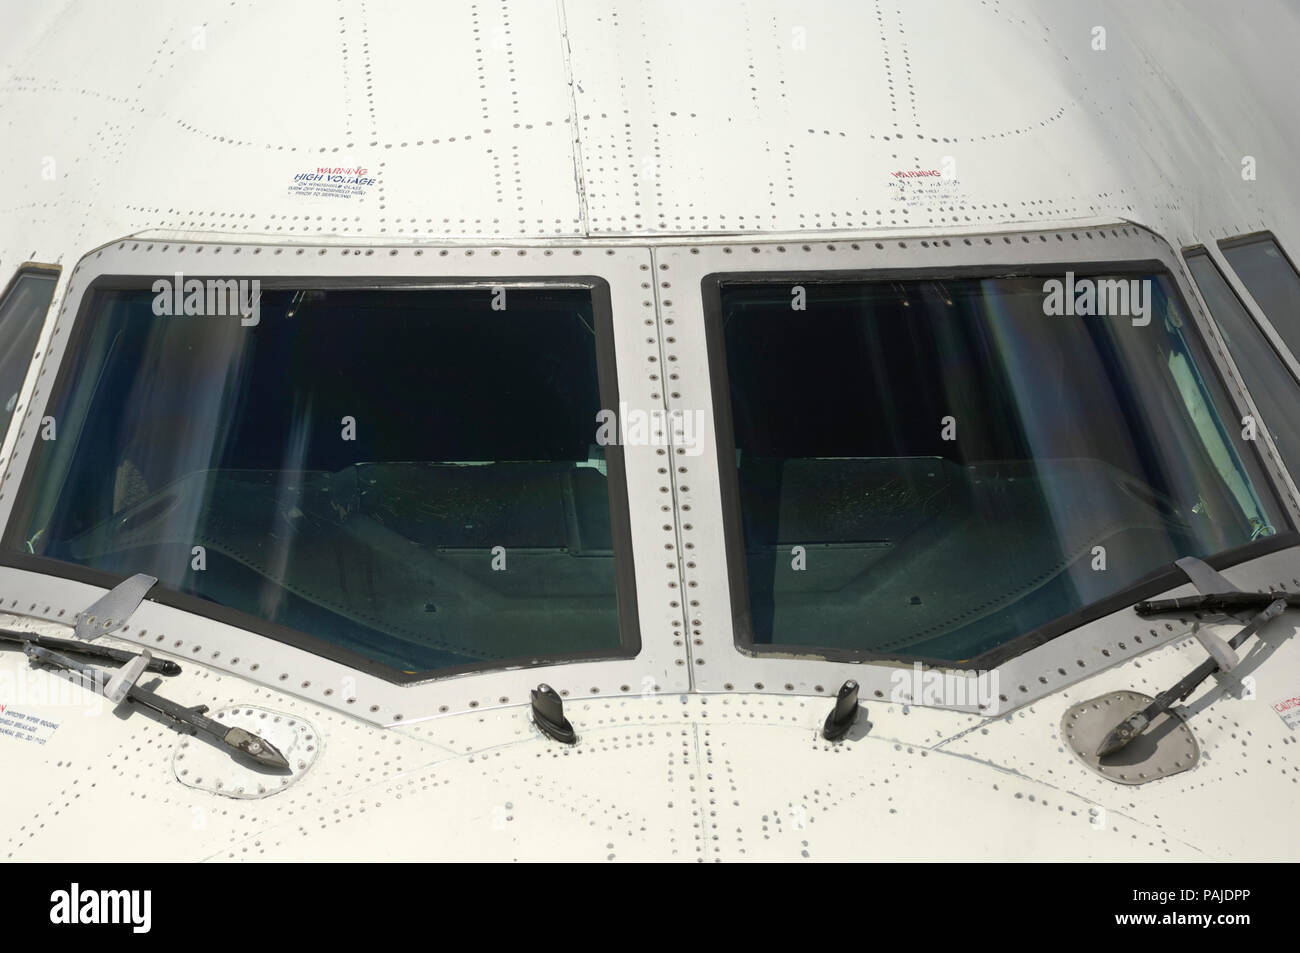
x,y
1243,293
607,383
1198,249
187,627
725,436
28,267
1036,664
47,270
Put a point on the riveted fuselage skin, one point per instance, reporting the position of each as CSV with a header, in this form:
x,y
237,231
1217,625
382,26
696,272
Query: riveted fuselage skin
x,y
639,144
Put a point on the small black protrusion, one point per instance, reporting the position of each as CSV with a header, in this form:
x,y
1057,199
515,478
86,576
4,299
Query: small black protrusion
x,y
845,712
548,713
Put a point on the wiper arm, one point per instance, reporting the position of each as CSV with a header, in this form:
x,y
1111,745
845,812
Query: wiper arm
x,y
1218,602
89,649
121,687
1134,725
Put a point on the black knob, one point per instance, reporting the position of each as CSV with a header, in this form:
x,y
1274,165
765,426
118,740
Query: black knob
x,y
548,714
845,712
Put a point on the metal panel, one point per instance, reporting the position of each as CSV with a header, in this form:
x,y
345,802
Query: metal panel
x,y
579,117
660,664
1168,747
716,662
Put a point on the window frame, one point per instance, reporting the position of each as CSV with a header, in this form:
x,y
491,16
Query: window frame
x,y
1145,588
1225,272
29,268
32,267
1244,295
284,657
1029,667
1232,283
607,383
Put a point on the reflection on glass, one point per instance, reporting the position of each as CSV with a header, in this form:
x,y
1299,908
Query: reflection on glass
x,y
960,468
22,312
411,476
1271,385
1271,281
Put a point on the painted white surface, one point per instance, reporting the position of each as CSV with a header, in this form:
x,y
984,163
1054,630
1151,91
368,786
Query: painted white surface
x,y
690,777
590,122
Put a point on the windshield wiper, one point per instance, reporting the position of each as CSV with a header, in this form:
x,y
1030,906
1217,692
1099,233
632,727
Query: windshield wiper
x,y
1132,726
1218,602
161,666
121,687
1215,594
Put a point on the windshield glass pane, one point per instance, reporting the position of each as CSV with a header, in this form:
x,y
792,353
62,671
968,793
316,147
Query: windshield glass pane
x,y
1271,281
409,475
1270,383
958,467
22,312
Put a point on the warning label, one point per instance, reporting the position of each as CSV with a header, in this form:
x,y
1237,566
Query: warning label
x,y
332,182
924,188
1289,710
24,727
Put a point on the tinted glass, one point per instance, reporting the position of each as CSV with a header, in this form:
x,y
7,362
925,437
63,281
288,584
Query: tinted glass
x,y
958,467
22,312
1271,281
1270,383
412,476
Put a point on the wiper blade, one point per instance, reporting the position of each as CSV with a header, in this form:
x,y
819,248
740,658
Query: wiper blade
x,y
1218,602
1133,726
122,687
161,666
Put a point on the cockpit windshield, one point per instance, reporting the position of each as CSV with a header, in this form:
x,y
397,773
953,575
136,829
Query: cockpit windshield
x,y
933,468
409,476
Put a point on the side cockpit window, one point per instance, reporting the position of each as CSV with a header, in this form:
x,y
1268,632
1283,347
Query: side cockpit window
x,y
1267,377
1272,281
22,312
